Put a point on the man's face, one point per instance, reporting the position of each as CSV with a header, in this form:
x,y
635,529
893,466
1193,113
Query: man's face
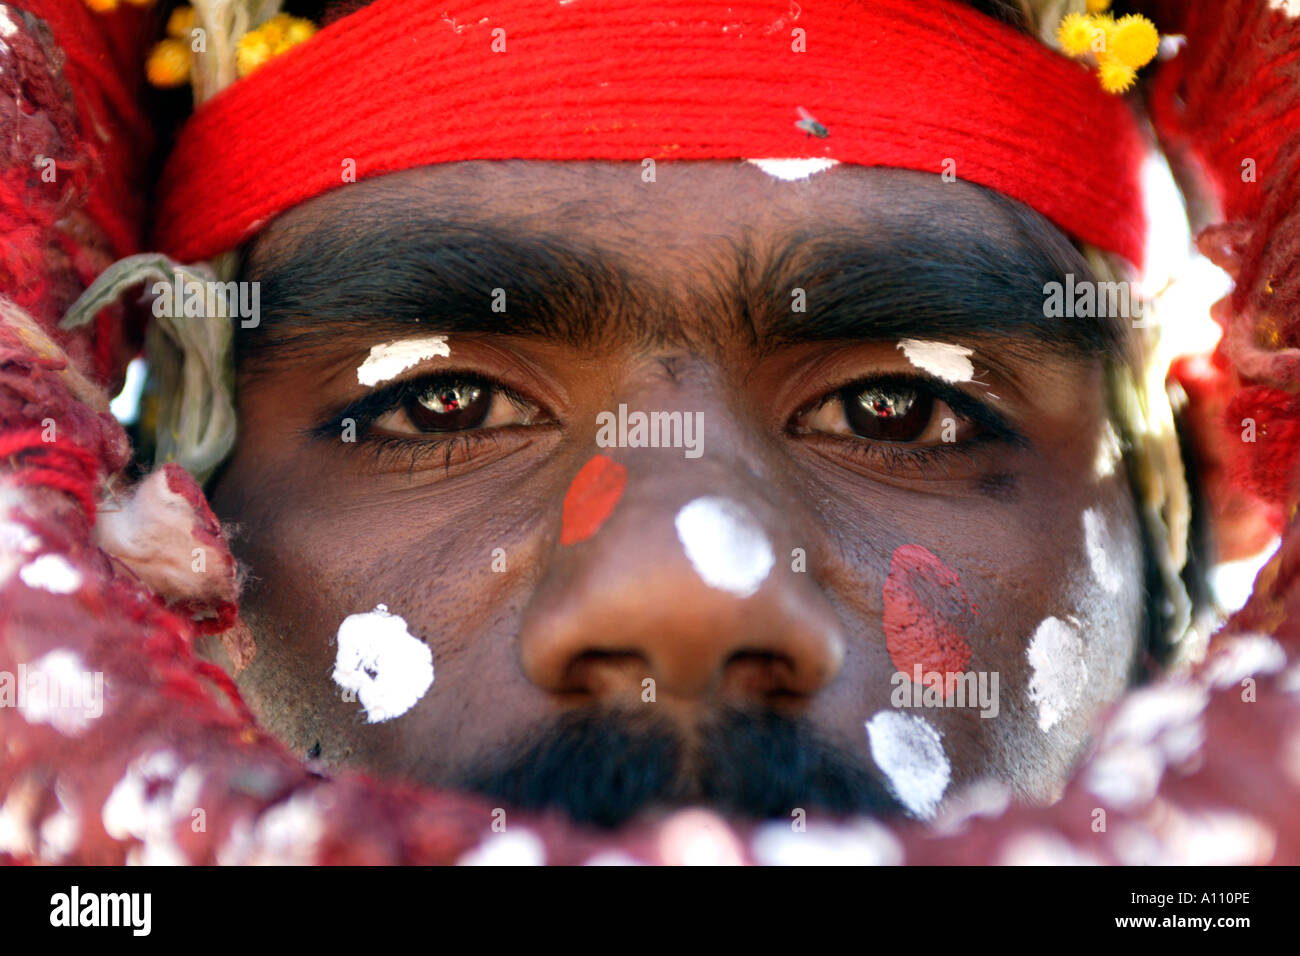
x,y
885,457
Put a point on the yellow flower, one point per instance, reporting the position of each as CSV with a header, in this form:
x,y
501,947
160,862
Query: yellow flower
x,y
252,52
168,63
1098,6
1075,34
273,29
276,35
297,32
1101,34
1134,41
1116,76
181,22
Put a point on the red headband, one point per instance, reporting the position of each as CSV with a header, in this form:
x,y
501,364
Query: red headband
x,y
896,83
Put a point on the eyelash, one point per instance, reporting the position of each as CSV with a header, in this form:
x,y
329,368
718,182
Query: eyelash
x,y
388,448
996,429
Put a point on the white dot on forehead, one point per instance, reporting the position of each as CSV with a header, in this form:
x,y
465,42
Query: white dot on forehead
x,y
725,545
941,359
910,753
392,358
379,660
792,170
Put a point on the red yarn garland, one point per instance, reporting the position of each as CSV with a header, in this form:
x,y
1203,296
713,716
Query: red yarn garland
x,y
398,85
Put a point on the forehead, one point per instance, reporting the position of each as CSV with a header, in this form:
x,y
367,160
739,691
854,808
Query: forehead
x,y
666,206
593,250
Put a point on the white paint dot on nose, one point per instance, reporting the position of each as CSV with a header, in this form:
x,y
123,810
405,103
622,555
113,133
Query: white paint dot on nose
x,y
910,753
725,544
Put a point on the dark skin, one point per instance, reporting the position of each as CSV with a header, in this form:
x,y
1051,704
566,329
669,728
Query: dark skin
x,y
402,517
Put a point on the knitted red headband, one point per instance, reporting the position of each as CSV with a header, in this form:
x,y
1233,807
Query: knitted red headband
x,y
929,86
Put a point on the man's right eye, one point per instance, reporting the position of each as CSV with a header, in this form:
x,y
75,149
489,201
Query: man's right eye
x,y
453,404
434,406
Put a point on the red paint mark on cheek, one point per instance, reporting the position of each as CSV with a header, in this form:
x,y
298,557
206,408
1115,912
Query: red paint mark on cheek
x,y
927,615
595,491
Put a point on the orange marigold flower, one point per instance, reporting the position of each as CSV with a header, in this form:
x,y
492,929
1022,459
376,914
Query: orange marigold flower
x,y
168,63
181,22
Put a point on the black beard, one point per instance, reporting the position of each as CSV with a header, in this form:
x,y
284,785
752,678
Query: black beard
x,y
604,767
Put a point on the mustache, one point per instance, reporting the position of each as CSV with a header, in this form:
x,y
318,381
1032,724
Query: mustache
x,y
605,767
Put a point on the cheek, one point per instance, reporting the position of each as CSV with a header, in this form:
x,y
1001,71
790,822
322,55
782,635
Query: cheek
x,y
928,618
1043,607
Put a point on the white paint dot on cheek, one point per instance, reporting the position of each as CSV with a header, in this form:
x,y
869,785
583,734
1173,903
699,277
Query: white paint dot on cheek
x,y
725,545
911,754
1109,452
1097,541
1058,672
392,358
949,362
792,170
1290,7
62,698
379,660
515,848
53,573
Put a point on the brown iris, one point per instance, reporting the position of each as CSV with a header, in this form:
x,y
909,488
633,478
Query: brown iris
x,y
887,413
449,406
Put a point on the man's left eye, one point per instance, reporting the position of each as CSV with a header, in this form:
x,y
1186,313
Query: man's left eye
x,y
884,411
451,404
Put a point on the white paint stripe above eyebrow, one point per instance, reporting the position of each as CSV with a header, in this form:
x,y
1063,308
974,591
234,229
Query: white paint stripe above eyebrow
x,y
949,362
392,358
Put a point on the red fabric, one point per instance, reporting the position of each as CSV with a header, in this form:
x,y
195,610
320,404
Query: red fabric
x,y
72,85
1229,107
395,86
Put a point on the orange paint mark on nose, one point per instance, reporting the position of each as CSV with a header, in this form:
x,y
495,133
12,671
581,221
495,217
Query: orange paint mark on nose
x,y
591,499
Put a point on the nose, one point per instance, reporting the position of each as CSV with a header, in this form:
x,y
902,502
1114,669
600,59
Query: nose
x,y
693,582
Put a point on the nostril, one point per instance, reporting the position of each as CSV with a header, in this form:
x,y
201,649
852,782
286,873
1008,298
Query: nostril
x,y
602,672
759,673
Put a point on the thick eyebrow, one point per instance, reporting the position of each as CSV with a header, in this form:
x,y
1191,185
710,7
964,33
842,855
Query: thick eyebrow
x,y
942,283
400,274
405,275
